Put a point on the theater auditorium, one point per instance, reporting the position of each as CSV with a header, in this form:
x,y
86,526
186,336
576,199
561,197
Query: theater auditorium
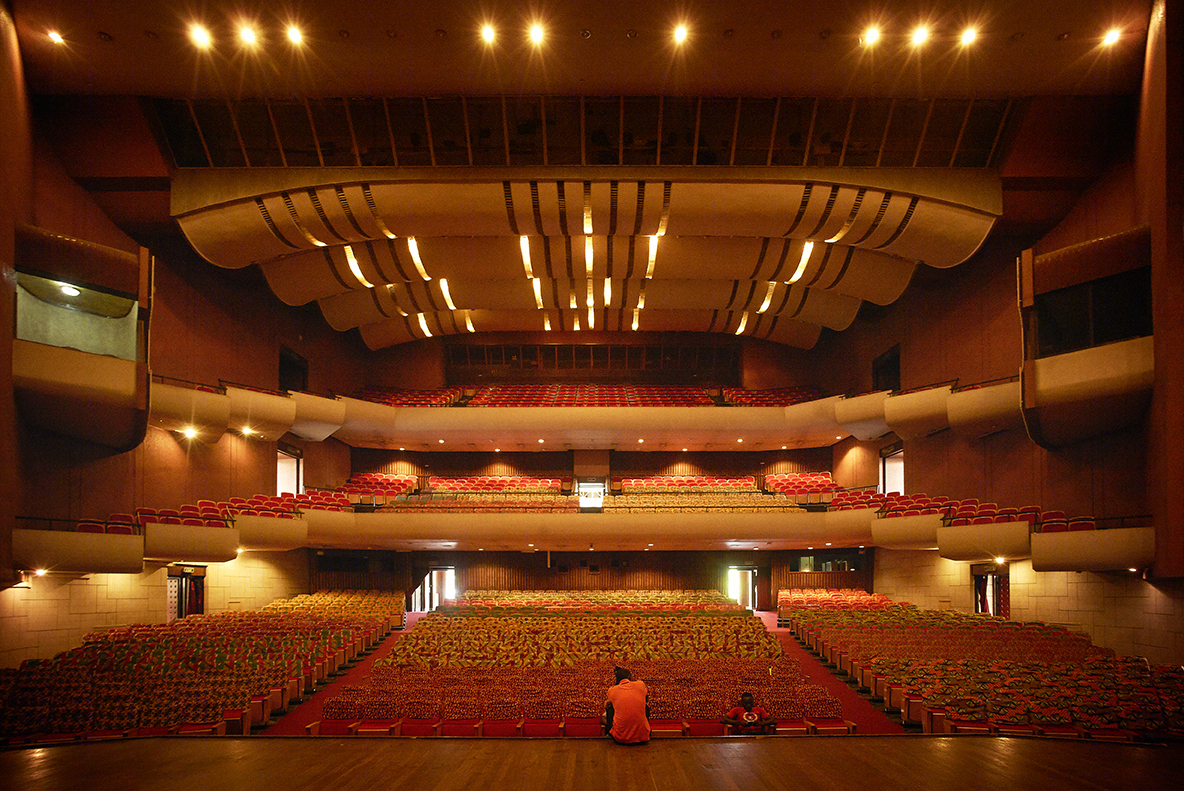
x,y
397,369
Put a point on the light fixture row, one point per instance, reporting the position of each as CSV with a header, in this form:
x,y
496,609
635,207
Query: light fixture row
x,y
918,36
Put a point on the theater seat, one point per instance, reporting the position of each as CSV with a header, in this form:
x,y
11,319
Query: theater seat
x,y
585,727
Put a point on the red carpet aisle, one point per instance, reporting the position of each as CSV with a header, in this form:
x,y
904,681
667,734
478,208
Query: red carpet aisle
x,y
292,723
867,718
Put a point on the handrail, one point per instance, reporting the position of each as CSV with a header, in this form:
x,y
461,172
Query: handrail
x,y
985,383
188,384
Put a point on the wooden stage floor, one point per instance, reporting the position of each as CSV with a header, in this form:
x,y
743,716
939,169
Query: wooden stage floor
x,y
884,763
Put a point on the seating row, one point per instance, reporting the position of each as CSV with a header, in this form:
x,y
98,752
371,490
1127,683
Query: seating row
x,y
782,396
674,484
393,396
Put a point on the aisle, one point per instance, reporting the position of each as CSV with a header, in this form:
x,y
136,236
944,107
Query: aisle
x,y
293,723
867,718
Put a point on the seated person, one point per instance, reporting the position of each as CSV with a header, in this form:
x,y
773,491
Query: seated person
x,y
625,712
748,718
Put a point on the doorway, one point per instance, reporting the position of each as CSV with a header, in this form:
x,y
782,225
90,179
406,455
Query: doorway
x,y
892,469
992,589
289,472
185,594
742,586
437,586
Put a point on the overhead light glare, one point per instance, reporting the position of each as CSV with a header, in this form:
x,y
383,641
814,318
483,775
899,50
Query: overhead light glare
x,y
524,243
591,318
1000,561
423,325
538,292
743,323
588,215
247,35
488,34
870,36
39,572
447,296
547,322
807,251
636,316
70,291
968,36
469,322
680,34
200,36
353,267
536,33
640,441
413,248
294,35
920,35
608,292
768,297
246,431
56,37
588,255
576,322
1112,37
189,432
589,302
649,271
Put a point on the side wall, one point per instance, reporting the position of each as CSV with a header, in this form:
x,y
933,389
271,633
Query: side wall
x,y
1118,610
55,612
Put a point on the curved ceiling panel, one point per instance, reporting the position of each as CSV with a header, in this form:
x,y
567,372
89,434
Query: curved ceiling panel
x,y
773,258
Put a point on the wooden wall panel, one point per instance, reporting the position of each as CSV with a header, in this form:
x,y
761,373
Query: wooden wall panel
x,y
550,465
637,463
783,579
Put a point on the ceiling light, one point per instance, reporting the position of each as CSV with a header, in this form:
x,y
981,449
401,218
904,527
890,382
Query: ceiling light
x,y
870,36
530,545
838,437
441,442
469,322
353,267
294,35
768,298
189,432
1132,569
590,301
783,447
636,316
588,255
247,35
640,441
650,545
828,543
488,34
497,450
547,322
423,325
413,248
684,450
968,36
576,323
591,318
1000,561
56,37
1112,37
200,36
540,441
480,549
740,440
536,33
743,323
809,547
70,291
649,271
807,249
39,572
247,431
537,285
680,34
447,296
920,36
400,448
524,243
608,293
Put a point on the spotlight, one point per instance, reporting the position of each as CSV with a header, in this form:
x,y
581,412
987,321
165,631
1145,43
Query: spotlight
x,y
39,572
920,36
680,34
56,37
247,431
1000,561
536,33
200,36
70,291
1112,37
488,34
870,36
968,36
248,36
294,35
189,432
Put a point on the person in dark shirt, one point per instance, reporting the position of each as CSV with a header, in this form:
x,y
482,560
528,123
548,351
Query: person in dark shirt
x,y
748,718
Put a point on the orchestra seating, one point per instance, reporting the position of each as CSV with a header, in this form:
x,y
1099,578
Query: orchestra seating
x,y
203,674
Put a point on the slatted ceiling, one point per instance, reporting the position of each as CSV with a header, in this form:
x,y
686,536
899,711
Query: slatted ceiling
x,y
213,116
750,211
755,131
933,242
408,128
830,310
846,201
257,133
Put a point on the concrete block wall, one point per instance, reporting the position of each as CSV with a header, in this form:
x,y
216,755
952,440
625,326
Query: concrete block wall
x,y
56,611
1119,610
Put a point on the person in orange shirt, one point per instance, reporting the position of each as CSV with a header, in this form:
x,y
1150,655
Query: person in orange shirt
x,y
625,713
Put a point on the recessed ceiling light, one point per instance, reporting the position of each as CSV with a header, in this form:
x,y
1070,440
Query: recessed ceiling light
x,y
680,34
1000,561
488,33
294,35
536,33
783,447
809,547
870,36
1132,569
200,36
1112,37
40,572
441,442
640,441
497,450
530,545
540,442
740,440
247,431
920,35
70,291
649,545
684,450
56,37
585,33
968,36
828,543
247,35
189,432
480,549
